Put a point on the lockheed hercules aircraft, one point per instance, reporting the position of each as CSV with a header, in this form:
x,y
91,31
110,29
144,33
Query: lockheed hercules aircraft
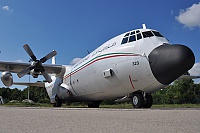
x,y
129,66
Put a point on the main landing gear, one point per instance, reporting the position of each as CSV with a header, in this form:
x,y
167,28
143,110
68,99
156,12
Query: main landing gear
x,y
58,102
94,104
142,100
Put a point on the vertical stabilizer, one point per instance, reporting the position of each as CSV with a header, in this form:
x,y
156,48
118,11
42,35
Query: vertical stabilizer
x,y
53,60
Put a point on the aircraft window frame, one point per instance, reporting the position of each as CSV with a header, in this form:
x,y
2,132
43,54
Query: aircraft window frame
x,y
147,34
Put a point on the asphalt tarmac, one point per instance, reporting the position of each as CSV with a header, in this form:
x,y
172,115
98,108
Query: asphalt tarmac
x,y
84,120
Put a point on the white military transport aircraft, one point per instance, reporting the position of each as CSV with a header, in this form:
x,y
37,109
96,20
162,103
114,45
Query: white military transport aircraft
x,y
129,66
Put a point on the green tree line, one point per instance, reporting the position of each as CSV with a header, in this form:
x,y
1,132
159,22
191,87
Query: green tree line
x,y
36,94
183,91
180,92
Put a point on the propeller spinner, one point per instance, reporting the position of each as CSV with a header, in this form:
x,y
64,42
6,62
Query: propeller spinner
x,y
37,64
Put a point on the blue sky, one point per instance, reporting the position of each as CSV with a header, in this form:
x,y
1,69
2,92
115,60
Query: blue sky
x,y
73,27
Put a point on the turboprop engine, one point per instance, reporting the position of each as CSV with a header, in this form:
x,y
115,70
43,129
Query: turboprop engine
x,y
7,78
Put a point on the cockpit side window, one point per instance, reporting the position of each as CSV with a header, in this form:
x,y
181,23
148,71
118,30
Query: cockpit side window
x,y
157,34
127,35
132,38
147,34
133,32
125,40
137,31
139,36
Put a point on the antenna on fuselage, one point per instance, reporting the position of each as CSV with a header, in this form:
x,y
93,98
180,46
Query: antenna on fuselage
x,y
144,26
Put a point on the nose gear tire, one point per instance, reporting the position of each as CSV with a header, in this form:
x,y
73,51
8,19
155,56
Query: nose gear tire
x,y
138,100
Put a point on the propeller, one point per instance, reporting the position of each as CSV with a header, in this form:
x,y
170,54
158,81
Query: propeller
x,y
37,64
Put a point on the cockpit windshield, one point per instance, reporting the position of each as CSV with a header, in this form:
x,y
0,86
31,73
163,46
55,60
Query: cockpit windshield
x,y
147,34
137,35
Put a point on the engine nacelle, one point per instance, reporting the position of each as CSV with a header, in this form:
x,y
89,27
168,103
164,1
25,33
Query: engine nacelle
x,y
63,93
7,78
35,73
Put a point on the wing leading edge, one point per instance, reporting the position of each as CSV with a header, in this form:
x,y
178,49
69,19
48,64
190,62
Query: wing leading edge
x,y
16,67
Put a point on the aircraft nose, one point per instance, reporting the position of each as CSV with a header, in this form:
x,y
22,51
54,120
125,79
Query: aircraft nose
x,y
168,62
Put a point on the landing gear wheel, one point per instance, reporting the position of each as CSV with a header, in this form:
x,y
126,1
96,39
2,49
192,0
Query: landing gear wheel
x,y
149,101
58,102
94,104
138,100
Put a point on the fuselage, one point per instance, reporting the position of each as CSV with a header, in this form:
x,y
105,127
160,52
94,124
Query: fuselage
x,y
125,61
118,67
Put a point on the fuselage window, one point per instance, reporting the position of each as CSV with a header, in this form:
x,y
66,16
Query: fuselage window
x,y
125,40
157,34
147,34
132,38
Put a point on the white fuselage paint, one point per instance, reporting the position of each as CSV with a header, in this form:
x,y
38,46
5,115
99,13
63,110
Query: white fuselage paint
x,y
128,66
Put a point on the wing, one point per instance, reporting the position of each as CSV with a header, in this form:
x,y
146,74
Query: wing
x,y
16,67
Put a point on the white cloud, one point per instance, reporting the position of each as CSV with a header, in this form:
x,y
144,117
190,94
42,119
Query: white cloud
x,y
74,61
190,17
195,70
171,12
6,8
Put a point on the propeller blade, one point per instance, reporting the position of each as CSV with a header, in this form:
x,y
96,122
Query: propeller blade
x,y
48,56
37,64
30,52
45,74
47,77
25,71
